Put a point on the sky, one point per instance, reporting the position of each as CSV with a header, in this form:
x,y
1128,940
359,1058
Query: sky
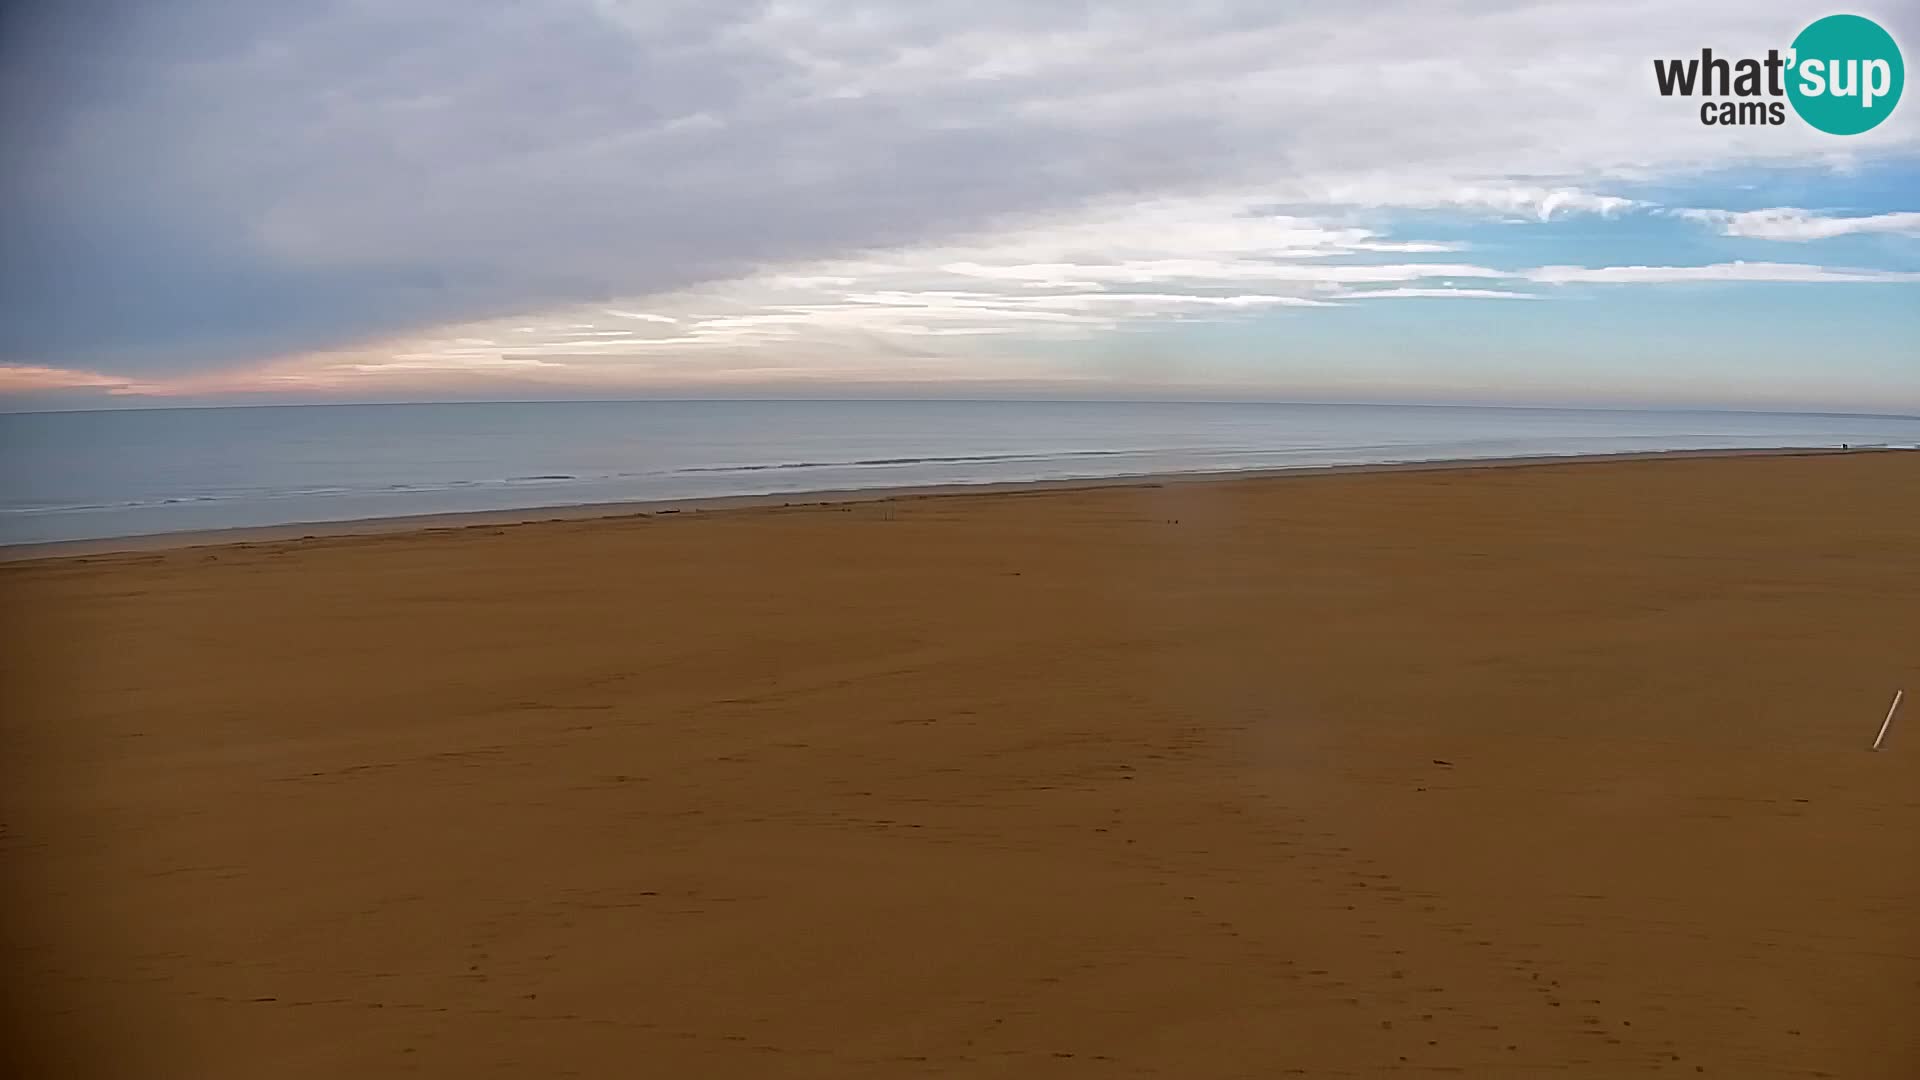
x,y
236,201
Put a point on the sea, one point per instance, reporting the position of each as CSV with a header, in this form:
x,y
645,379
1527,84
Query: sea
x,y
130,472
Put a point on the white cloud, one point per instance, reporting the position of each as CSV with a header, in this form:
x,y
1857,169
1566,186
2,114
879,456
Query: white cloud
x,y
1530,201
1439,293
1730,271
1147,271
956,307
1794,224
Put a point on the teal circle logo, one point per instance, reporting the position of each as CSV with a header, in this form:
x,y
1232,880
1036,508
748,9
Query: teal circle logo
x,y
1846,74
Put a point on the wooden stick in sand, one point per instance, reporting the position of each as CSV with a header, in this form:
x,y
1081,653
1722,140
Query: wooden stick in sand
x,y
1888,722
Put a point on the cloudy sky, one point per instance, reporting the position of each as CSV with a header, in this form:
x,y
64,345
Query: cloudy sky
x,y
1427,201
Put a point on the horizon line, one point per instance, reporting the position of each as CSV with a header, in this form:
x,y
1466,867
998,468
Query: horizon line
x,y
1746,410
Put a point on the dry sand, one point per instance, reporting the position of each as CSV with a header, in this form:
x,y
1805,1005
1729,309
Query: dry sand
x,y
1554,770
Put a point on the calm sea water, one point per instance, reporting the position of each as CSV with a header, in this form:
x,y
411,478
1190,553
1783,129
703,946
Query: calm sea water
x,y
83,475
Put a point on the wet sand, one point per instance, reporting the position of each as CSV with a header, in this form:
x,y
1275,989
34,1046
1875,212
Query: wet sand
x,y
1555,770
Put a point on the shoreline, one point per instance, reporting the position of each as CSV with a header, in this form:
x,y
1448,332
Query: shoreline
x,y
532,515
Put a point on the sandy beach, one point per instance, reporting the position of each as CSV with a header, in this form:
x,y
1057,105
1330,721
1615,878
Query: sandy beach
x,y
1549,770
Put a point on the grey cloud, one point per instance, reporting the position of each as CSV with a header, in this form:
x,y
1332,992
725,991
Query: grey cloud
x,y
204,181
